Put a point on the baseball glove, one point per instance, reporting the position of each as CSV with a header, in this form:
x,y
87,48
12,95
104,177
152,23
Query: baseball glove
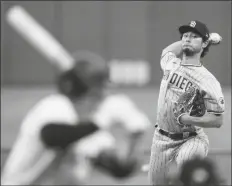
x,y
190,102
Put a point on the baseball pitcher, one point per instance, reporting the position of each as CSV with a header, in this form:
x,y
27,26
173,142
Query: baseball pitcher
x,y
190,99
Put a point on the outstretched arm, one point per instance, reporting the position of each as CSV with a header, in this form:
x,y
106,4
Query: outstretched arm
x,y
209,120
62,135
175,48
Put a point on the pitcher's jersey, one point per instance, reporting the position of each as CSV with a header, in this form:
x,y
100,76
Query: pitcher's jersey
x,y
29,158
177,78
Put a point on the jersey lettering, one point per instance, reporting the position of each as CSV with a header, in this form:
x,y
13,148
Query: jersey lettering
x,y
180,81
177,84
173,79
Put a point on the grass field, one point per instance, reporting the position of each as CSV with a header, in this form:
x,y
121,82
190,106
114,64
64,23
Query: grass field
x,y
16,101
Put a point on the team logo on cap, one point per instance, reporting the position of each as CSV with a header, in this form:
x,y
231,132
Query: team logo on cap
x,y
193,24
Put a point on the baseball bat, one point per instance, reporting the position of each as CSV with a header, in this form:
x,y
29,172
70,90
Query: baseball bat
x,y
43,41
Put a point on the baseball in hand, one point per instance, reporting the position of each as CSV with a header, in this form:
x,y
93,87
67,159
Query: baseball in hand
x,y
215,38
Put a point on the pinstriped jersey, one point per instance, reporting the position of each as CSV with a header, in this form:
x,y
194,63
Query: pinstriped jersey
x,y
177,78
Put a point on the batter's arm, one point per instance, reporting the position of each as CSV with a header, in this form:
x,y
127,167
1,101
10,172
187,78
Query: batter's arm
x,y
209,120
175,48
62,135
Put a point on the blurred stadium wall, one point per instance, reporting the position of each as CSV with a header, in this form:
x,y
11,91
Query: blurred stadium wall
x,y
115,30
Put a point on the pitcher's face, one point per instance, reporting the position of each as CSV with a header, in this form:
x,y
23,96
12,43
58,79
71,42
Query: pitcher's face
x,y
192,43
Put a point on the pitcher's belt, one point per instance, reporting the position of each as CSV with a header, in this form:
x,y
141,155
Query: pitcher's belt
x,y
175,136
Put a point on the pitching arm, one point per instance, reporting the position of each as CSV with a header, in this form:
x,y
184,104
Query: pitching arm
x,y
175,48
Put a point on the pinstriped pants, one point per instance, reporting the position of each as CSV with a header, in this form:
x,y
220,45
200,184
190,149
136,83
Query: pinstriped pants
x,y
165,152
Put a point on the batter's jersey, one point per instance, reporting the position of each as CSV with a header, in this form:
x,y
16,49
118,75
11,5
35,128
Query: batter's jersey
x,y
30,159
120,109
177,78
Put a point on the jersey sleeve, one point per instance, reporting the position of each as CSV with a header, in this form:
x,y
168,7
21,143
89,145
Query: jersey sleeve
x,y
52,109
168,60
120,109
214,99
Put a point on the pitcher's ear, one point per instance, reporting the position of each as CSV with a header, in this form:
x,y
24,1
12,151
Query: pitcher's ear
x,y
205,43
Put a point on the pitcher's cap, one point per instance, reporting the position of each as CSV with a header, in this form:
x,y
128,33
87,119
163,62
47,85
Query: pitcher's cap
x,y
196,26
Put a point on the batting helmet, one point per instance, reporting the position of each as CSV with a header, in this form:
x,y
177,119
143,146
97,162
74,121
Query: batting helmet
x,y
90,70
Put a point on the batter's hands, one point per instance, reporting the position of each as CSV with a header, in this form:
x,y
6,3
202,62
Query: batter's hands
x,y
119,167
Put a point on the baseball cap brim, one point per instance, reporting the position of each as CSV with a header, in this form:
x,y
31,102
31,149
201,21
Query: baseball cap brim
x,y
186,28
